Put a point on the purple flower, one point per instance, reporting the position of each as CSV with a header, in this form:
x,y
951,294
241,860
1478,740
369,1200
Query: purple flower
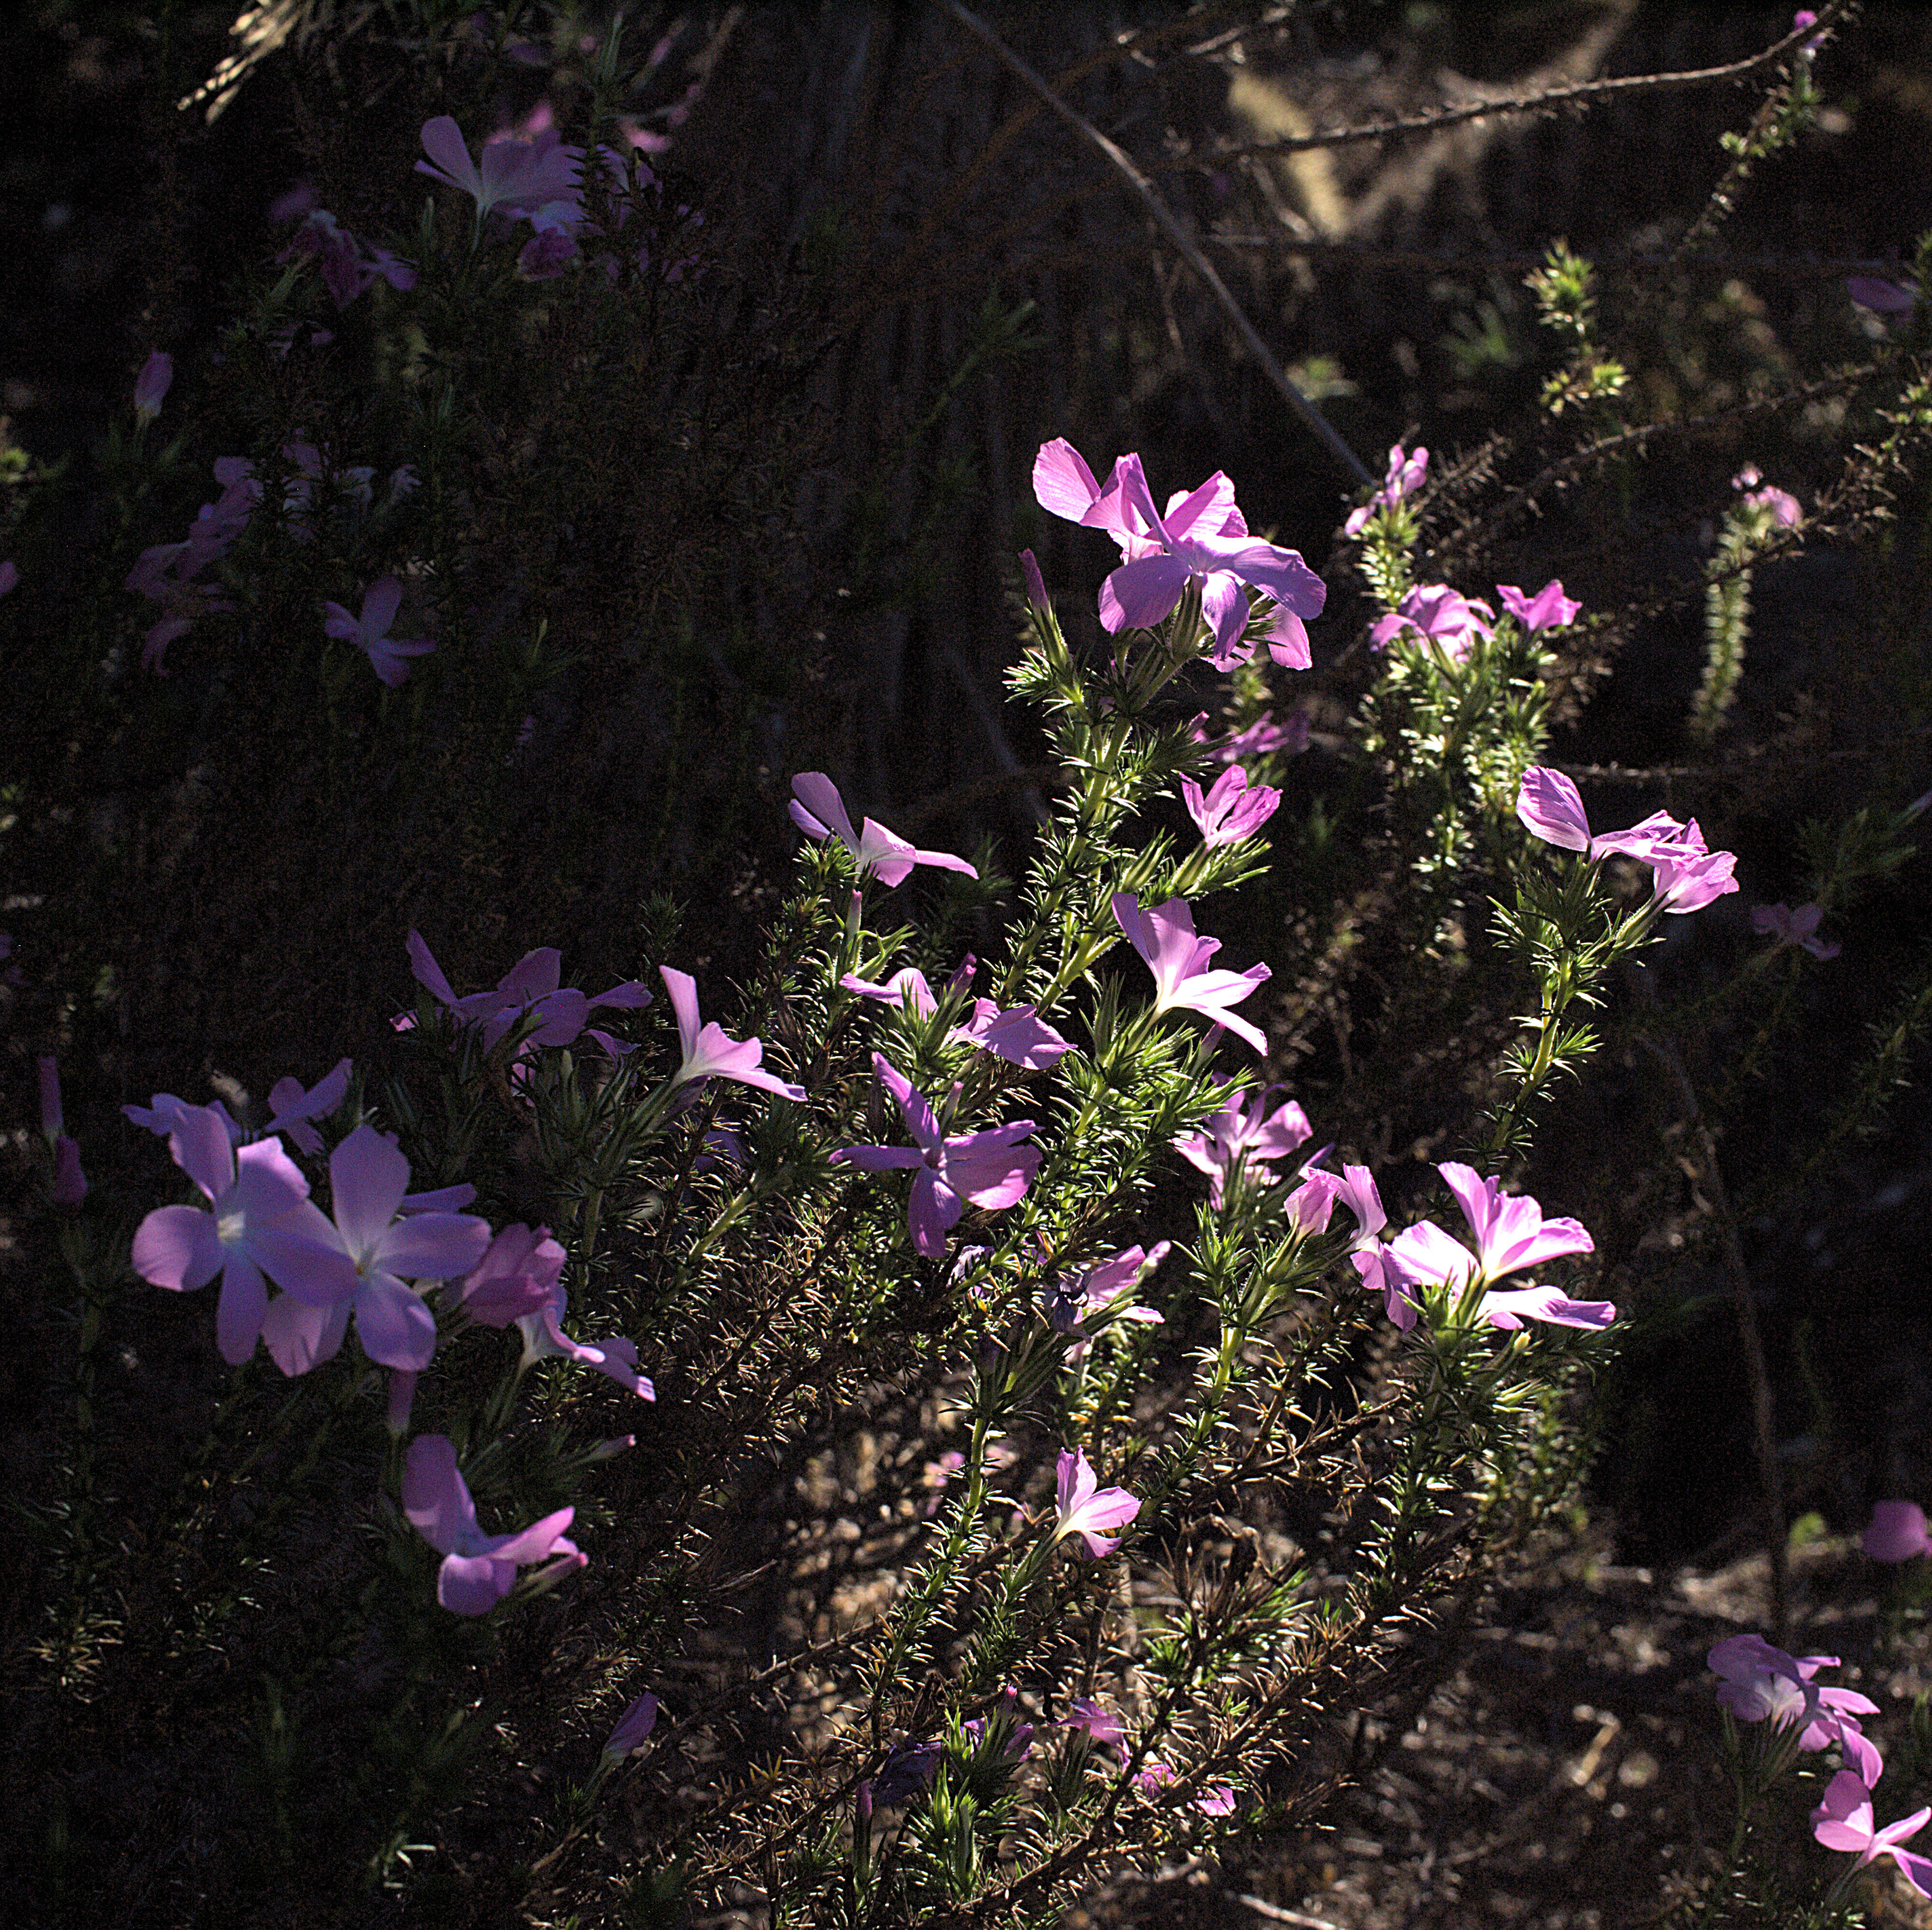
x,y
1085,1302
1102,1731
988,1168
1086,1509
544,1338
529,172
1243,1137
819,812
1202,537
1897,1532
635,1723
10,576
370,632
477,1570
1017,1035
1799,928
708,1054
907,1772
1006,1712
1216,1799
262,1214
1511,1236
530,986
1687,875
1549,609
1405,471
518,1275
1882,298
1844,1821
1164,938
1759,1682
291,1108
1786,510
358,1265
546,254
1230,811
69,1186
151,386
1437,615
1036,583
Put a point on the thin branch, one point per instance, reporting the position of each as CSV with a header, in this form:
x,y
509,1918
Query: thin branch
x,y
1164,220
1580,93
1819,268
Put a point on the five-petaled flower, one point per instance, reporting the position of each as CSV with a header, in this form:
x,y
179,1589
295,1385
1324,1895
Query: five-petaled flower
x,y
544,1338
370,632
1686,873
530,986
1086,1301
1183,981
1844,1821
359,1264
1549,609
819,812
261,1222
988,1168
1202,538
529,172
477,1570
1243,1136
708,1054
1231,810
1799,928
1086,1509
1439,615
1405,471
1758,1683
1511,1236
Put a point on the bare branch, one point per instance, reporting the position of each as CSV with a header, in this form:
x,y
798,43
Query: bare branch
x,y
1163,219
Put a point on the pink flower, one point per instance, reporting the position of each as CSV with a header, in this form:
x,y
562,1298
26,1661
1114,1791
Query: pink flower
x,y
1217,1799
370,632
1165,938
1085,1302
530,986
1844,1821
1243,1137
1101,1729
988,1168
531,172
262,1214
1086,1509
819,812
907,989
1758,1683
1036,583
151,386
710,1053
1897,1532
1439,615
1786,510
1017,1035
1686,874
1882,298
1799,928
518,1274
1549,609
10,576
359,1264
1406,473
477,1570
635,1723
1230,811
291,1108
1264,737
544,1338
1511,1237
1202,537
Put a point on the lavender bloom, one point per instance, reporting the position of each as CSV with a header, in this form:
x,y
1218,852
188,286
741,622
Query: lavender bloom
x,y
819,812
1882,298
1086,1509
1799,928
988,1168
635,1723
708,1054
1017,1035
1102,1731
1844,1820
151,386
1549,609
544,1337
533,171
1687,875
291,1108
907,989
257,1194
1758,1683
1246,1137
1085,1302
907,1772
477,1570
1436,614
530,986
370,632
1405,471
518,1275
1202,537
1231,810
1897,1532
1165,938
357,1264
